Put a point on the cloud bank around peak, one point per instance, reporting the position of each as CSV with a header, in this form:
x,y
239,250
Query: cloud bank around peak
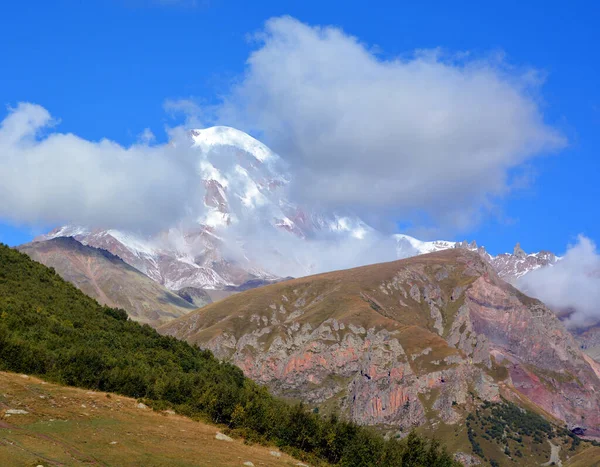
x,y
570,286
51,178
426,134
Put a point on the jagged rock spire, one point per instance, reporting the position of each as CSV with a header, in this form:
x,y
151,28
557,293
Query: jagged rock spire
x,y
518,251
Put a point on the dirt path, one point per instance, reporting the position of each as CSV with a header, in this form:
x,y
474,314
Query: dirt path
x,y
554,455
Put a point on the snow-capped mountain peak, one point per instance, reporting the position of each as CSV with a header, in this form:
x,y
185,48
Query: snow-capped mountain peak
x,y
245,185
226,136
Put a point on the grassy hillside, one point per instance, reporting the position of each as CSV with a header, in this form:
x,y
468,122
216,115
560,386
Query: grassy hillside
x,y
51,329
111,281
351,296
68,426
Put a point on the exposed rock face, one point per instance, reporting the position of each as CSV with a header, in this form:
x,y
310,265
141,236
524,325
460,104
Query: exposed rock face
x,y
518,251
543,360
402,343
511,267
466,459
109,280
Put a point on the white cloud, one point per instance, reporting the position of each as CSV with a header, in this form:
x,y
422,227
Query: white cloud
x,y
572,285
428,134
49,178
194,113
285,254
146,136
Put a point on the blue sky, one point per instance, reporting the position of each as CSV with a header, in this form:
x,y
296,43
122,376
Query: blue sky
x,y
106,68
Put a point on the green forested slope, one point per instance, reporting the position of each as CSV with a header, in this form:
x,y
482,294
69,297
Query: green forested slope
x,y
51,329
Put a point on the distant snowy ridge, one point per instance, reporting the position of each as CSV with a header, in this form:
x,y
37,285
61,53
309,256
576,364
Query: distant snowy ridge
x,y
408,246
509,266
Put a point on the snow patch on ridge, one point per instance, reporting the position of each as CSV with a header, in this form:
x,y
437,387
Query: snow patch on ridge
x,y
409,246
132,242
215,219
67,231
209,172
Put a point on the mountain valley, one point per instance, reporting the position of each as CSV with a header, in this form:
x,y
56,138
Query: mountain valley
x,y
422,343
299,234
50,329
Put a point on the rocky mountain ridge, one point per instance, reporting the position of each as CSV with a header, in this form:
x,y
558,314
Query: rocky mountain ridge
x,y
416,342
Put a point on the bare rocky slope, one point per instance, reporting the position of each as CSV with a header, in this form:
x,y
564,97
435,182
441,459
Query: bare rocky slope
x,y
111,281
415,342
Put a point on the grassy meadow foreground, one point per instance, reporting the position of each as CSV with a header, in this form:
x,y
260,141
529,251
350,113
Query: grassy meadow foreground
x,y
64,426
68,426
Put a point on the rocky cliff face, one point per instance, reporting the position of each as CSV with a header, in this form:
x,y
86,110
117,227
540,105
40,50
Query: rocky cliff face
x,y
403,343
513,266
544,361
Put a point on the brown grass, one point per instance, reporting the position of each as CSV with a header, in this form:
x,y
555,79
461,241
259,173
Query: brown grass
x,y
589,456
67,426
